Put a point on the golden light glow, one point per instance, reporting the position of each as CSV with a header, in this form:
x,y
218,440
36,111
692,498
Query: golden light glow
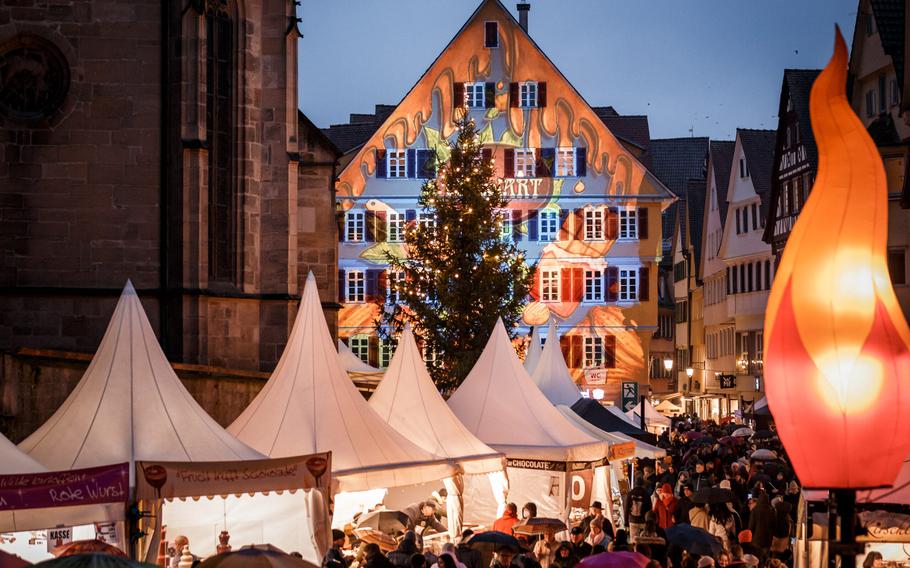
x,y
837,348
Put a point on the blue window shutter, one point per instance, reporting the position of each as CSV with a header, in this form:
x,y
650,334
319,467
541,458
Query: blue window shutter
x,y
532,224
546,162
410,215
412,163
342,285
425,164
581,161
509,162
380,163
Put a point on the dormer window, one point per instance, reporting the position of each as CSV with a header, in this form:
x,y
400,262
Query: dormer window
x,y
743,168
491,34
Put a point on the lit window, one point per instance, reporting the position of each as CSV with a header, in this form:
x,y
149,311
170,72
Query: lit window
x,y
549,285
594,224
528,94
397,164
396,226
594,285
594,352
628,224
354,223
525,163
385,354
548,225
565,162
474,95
395,286
360,345
355,286
505,224
427,221
628,284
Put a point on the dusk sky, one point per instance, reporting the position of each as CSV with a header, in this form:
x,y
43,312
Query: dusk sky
x,y
706,65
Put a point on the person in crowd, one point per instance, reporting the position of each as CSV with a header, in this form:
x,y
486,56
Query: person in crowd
x,y
873,560
620,543
504,558
508,520
529,511
705,562
638,503
526,558
720,523
596,511
418,560
597,538
466,553
334,557
446,560
723,559
665,506
698,516
654,536
374,558
565,556
180,542
781,527
699,479
736,556
580,547
401,556
684,504
545,549
422,517
761,523
745,543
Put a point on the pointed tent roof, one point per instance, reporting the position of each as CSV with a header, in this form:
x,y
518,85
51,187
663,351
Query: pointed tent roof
x,y
408,401
552,375
600,416
502,406
309,405
13,460
532,357
129,406
652,416
642,449
352,363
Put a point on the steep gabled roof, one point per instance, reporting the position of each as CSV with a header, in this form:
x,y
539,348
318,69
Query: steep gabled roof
x,y
758,147
675,161
889,19
721,163
695,214
632,128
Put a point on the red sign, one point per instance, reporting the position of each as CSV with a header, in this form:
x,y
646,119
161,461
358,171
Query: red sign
x,y
580,486
105,484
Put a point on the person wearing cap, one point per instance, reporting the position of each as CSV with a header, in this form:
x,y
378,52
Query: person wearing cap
x,y
684,504
665,507
334,557
580,547
745,543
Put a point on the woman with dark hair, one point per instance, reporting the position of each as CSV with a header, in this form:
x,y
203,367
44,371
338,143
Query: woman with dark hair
x,y
721,523
565,556
529,511
873,560
446,561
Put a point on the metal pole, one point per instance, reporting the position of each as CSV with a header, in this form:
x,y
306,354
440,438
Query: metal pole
x,y
846,509
643,413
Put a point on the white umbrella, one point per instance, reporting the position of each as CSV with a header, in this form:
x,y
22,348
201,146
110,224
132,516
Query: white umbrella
x,y
743,432
764,454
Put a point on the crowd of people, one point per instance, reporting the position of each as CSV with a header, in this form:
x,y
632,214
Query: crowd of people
x,y
711,501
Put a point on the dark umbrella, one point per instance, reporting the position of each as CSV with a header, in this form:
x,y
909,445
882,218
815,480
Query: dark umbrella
x,y
728,441
539,525
762,435
694,435
389,522
695,540
711,495
703,441
255,558
495,539
615,560
92,560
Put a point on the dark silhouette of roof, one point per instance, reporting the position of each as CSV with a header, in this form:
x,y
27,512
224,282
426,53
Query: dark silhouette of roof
x,y
889,19
632,128
675,161
695,216
361,126
594,413
721,163
758,147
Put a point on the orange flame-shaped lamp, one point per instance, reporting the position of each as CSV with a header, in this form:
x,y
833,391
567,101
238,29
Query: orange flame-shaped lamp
x,y
837,347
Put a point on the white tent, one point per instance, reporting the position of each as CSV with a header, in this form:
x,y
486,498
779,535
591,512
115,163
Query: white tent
x,y
309,405
502,406
552,375
533,354
352,363
653,418
620,414
129,406
642,449
408,401
13,460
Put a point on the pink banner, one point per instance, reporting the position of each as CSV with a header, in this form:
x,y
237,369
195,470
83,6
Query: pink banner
x,y
106,484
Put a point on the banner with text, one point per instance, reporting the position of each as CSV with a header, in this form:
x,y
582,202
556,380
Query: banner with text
x,y
105,484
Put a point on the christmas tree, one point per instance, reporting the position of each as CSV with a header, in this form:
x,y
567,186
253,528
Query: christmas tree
x,y
462,271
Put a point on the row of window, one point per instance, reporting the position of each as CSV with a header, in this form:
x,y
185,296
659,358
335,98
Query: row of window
x,y
876,98
551,224
377,352
743,215
749,277
476,95
720,343
715,290
420,163
609,284
793,195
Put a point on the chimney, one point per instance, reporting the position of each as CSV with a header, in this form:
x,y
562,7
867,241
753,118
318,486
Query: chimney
x,y
523,9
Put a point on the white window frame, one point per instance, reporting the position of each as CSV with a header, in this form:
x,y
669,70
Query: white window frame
x,y
628,284
628,224
360,346
594,285
355,286
393,278
525,163
548,225
593,352
550,282
427,220
505,224
355,226
395,224
475,95
594,224
565,162
527,94
396,164
385,354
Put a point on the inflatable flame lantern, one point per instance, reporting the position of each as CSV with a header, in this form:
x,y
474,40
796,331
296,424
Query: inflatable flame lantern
x,y
837,348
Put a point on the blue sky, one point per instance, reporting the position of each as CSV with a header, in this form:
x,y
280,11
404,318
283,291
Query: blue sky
x,y
706,65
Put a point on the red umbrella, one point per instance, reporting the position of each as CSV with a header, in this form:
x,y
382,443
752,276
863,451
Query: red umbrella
x,y
89,545
8,560
615,560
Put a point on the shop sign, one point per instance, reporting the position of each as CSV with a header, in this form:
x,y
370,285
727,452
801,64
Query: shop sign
x,y
727,381
596,376
58,537
580,483
629,395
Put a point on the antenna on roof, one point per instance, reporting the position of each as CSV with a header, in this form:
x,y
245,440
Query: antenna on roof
x,y
692,131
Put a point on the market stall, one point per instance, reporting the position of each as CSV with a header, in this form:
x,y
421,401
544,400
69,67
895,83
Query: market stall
x,y
501,405
533,352
655,422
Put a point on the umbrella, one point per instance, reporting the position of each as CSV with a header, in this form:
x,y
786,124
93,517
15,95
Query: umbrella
x,y
615,560
539,525
764,454
712,495
389,522
91,545
728,441
703,441
255,558
694,435
773,468
8,560
743,432
762,435
369,536
495,539
92,560
694,540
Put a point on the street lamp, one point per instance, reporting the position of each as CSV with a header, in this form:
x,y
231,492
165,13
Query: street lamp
x,y
668,364
689,372
834,332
